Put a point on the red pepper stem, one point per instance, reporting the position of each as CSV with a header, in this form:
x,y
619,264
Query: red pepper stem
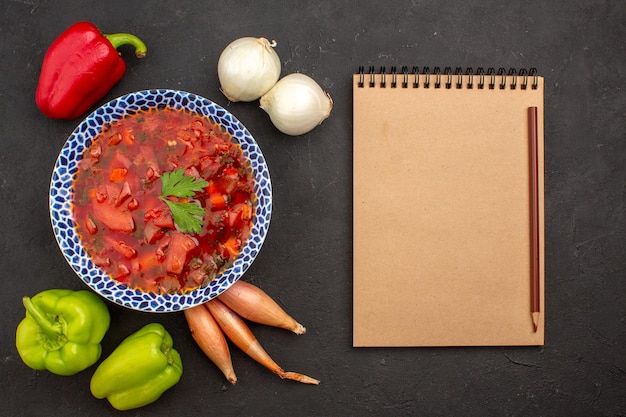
x,y
54,330
119,39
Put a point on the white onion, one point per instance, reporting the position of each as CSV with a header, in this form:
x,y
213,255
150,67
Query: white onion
x,y
296,104
247,68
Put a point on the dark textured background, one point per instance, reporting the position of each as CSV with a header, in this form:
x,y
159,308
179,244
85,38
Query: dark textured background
x,y
305,263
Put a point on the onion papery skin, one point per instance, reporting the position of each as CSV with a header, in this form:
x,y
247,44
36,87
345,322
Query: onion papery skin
x,y
248,68
296,104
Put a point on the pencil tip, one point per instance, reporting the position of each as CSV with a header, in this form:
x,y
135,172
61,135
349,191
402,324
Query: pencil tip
x,y
535,317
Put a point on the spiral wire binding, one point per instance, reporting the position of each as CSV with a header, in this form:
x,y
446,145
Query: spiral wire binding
x,y
485,79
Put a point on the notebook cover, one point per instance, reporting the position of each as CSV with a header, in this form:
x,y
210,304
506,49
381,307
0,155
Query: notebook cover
x,y
441,216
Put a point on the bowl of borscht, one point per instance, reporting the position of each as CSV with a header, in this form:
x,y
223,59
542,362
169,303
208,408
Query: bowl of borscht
x,y
160,200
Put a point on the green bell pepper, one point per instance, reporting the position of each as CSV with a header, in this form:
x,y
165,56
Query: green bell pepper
x,y
62,330
139,370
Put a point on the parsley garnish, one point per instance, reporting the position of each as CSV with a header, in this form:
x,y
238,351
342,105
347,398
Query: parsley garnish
x,y
187,215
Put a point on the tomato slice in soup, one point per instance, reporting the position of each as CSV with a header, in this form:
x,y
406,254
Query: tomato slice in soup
x,y
114,218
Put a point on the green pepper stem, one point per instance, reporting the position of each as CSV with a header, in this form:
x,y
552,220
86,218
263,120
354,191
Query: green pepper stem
x,y
119,39
53,330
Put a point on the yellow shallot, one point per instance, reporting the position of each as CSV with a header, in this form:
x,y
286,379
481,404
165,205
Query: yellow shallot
x,y
252,303
209,337
240,334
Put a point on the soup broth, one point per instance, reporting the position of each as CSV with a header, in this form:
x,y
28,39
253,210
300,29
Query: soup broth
x,y
125,222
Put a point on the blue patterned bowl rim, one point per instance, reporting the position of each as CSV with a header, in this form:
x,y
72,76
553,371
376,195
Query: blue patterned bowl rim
x,y
60,200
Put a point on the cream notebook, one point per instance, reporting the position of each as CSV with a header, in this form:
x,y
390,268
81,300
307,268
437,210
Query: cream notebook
x,y
442,208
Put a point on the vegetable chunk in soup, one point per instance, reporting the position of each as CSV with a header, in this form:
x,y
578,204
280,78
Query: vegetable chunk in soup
x,y
164,200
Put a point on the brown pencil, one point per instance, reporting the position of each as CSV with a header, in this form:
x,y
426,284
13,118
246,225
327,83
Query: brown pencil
x,y
535,303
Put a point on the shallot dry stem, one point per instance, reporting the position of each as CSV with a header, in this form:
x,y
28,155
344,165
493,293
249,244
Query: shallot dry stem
x,y
209,337
240,334
252,303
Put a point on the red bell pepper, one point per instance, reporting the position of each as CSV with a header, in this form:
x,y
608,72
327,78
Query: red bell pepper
x,y
79,68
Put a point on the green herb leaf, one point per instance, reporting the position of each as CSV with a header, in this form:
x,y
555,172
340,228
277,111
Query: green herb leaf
x,y
177,184
187,215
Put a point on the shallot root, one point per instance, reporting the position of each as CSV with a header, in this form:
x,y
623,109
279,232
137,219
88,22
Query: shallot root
x,y
240,334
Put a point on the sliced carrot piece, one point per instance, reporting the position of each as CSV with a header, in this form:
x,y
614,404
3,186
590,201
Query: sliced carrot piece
x,y
118,174
232,246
